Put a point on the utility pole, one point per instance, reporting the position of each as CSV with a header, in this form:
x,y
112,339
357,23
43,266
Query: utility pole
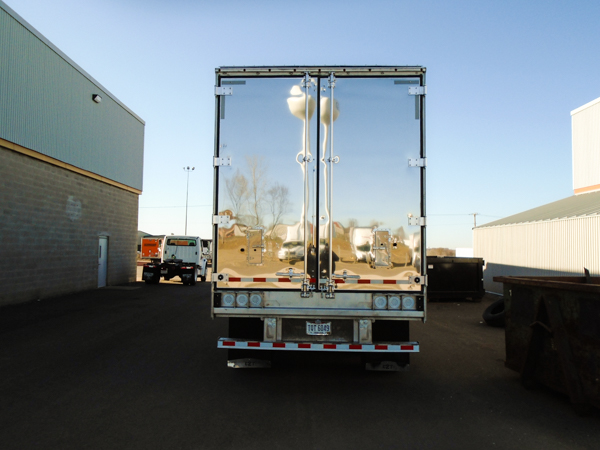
x,y
188,169
474,219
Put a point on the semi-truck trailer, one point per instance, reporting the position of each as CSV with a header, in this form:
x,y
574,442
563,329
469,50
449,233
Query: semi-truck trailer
x,y
319,211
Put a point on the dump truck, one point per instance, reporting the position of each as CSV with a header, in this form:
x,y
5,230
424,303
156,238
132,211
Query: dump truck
x,y
319,212
173,256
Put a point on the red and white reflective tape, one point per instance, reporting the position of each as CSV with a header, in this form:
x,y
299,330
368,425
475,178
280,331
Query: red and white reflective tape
x,y
312,280
398,347
354,281
264,280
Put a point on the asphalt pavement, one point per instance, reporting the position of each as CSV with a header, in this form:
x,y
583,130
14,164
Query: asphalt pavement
x,y
136,367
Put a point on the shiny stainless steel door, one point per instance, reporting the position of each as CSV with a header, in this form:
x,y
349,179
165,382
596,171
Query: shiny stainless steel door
x,y
370,191
268,128
319,190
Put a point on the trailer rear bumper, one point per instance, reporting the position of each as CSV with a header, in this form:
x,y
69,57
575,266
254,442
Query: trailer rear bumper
x,y
395,347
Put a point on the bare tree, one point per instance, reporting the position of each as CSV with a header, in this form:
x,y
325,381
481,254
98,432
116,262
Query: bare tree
x,y
279,203
257,172
401,234
237,189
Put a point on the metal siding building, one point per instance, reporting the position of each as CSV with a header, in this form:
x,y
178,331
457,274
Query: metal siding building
x,y
586,147
46,105
560,238
70,172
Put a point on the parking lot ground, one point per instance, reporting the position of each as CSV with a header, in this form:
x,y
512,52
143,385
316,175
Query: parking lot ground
x,y
136,367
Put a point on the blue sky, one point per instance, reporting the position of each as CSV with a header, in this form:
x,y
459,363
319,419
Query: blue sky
x,y
503,77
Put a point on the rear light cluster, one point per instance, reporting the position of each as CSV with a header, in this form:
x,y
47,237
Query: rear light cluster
x,y
241,300
395,302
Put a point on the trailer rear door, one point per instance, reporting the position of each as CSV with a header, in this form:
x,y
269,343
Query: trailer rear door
x,y
306,194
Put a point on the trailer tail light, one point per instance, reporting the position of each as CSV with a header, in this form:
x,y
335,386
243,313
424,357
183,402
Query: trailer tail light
x,y
408,303
255,301
241,300
394,302
380,302
228,300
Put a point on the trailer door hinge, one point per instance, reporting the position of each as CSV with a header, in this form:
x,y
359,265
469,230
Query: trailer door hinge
x,y
418,162
418,279
417,90
220,277
417,221
221,220
222,161
223,90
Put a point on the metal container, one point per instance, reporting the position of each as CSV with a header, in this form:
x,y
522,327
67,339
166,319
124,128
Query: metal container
x,y
455,277
553,334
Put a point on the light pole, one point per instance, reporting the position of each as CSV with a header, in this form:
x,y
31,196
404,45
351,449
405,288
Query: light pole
x,y
188,169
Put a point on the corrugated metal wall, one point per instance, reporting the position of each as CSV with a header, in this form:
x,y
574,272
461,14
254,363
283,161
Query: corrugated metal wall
x,y
559,247
585,122
46,105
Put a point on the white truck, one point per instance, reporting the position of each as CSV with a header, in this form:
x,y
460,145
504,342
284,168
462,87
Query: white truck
x,y
173,256
333,156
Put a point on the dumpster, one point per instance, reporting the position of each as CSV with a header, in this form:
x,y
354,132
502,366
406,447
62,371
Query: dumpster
x,y
450,277
553,334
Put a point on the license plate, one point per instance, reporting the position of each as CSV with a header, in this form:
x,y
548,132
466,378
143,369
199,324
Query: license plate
x,y
318,329
164,271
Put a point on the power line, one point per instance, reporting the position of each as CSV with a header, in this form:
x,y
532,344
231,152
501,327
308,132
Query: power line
x,y
464,214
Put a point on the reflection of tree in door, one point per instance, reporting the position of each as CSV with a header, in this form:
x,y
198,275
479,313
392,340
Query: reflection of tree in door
x,y
251,196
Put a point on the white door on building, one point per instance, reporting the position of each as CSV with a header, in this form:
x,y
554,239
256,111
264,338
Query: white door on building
x,y
102,260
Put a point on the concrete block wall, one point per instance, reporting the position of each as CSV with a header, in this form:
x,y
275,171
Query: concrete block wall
x,y
50,222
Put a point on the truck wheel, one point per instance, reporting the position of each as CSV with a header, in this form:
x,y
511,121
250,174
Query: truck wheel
x,y
194,278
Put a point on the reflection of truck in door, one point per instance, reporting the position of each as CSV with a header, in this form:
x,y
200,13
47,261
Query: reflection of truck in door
x,y
207,250
361,241
173,256
328,160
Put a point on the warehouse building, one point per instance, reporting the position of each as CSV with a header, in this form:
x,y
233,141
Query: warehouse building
x,y
71,159
558,239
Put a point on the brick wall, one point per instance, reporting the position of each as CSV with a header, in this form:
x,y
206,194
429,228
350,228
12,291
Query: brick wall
x,y
50,222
